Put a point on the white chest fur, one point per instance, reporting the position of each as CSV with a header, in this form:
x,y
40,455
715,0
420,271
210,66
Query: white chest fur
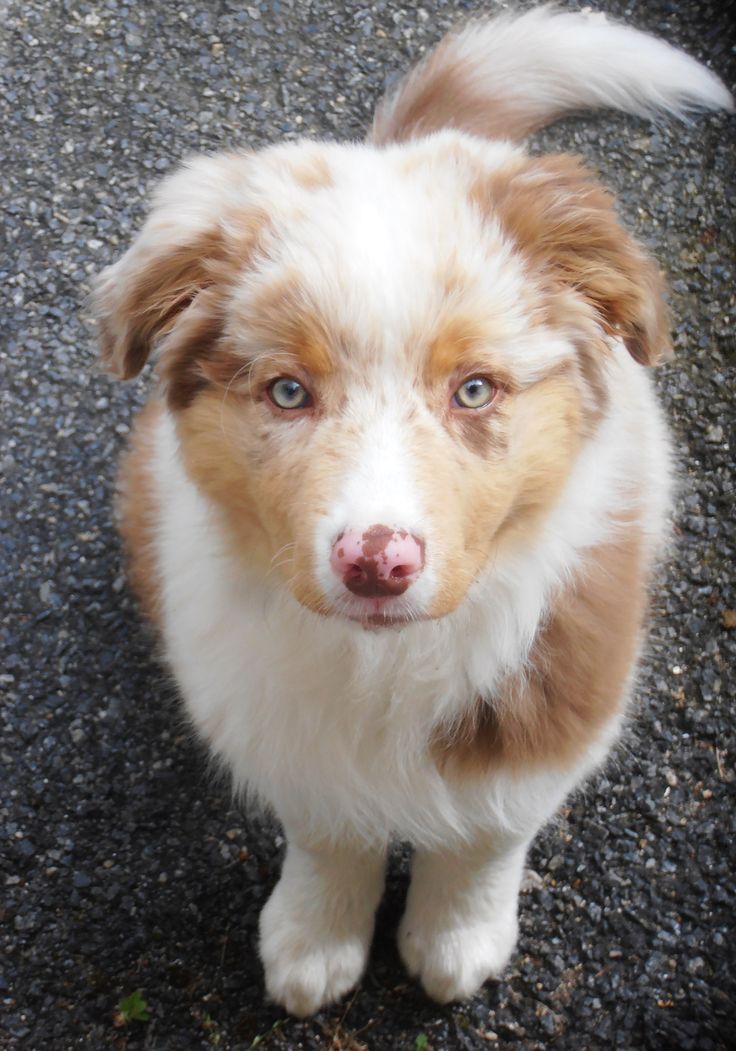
x,y
329,723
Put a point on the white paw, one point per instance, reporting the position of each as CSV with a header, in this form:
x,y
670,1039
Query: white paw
x,y
453,962
308,965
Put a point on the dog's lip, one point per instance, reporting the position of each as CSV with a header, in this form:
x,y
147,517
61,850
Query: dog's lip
x,y
385,611
385,619
379,613
381,620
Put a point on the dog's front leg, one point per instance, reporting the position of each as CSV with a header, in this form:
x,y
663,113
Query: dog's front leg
x,y
460,924
316,927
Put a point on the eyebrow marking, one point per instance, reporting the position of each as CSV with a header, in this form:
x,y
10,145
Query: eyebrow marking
x,y
463,346
455,341
286,324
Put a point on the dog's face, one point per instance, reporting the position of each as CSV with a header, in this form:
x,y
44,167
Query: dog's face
x,y
382,363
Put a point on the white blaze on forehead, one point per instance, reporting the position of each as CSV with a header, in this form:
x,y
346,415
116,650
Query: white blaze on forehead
x,y
361,249
374,252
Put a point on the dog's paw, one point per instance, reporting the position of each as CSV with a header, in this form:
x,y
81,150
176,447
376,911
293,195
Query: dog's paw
x,y
309,977
308,964
453,961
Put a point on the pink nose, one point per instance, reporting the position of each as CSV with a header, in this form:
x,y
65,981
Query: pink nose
x,y
379,562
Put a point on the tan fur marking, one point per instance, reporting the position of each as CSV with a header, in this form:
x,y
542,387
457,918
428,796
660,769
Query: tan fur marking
x,y
454,279
312,173
479,509
138,511
209,429
309,346
566,226
544,435
577,675
283,322
455,343
257,474
460,345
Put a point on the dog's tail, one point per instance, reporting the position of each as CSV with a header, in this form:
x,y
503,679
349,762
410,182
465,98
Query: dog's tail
x,y
508,76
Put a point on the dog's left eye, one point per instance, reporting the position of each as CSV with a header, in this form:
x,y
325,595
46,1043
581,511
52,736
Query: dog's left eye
x,y
288,393
475,393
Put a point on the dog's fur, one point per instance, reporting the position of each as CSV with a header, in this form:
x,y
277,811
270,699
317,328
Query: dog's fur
x,y
459,713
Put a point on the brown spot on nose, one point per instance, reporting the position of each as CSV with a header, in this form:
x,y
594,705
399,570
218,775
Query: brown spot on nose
x,y
376,539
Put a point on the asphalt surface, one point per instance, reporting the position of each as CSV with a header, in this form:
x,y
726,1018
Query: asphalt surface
x,y
123,866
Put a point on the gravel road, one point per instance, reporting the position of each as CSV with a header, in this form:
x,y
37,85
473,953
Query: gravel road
x,y
123,865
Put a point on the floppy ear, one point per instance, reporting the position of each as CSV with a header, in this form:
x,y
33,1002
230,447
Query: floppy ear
x,y
565,223
183,249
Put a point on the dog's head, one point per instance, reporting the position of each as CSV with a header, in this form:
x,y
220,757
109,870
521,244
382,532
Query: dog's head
x,y
382,363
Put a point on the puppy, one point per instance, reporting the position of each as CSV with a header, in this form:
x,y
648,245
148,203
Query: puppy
x,y
396,505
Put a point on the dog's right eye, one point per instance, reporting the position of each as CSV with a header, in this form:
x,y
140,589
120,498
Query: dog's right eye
x,y
288,393
475,393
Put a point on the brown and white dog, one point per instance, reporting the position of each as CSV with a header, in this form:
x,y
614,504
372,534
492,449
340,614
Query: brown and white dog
x,y
395,508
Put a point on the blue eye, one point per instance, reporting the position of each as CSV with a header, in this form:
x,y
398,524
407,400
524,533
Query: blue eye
x,y
475,393
288,393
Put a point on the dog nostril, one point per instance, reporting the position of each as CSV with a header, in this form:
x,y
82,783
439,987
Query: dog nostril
x,y
399,572
356,573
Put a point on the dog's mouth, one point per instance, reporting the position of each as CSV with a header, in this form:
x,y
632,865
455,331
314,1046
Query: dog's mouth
x,y
377,613
378,620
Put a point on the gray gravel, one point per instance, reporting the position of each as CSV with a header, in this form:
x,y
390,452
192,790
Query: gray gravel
x,y
123,866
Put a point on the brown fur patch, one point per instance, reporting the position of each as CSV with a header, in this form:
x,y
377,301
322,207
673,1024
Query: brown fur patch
x,y
193,349
566,227
477,433
444,92
145,303
285,337
142,298
138,510
577,675
280,321
591,360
